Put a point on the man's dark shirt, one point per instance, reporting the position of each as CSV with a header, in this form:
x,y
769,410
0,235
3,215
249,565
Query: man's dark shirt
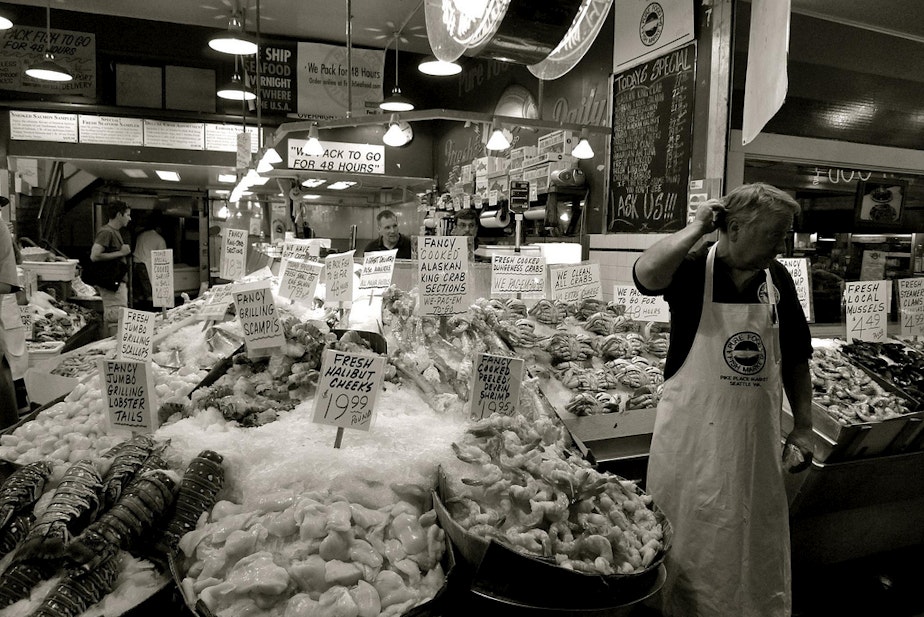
x,y
403,246
685,297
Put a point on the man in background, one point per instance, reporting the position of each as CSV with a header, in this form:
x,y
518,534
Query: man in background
x,y
109,246
9,285
467,225
389,236
151,239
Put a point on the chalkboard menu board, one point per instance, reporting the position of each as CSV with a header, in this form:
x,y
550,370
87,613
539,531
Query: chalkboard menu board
x,y
650,146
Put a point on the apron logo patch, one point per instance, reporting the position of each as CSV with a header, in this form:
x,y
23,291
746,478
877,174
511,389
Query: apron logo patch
x,y
762,296
745,354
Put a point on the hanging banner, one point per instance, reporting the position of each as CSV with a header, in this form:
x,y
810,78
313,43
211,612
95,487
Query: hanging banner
x,y
646,29
338,156
766,81
23,46
278,76
323,81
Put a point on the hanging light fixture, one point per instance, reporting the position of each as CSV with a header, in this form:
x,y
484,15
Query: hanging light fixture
x,y
398,134
235,90
431,66
268,160
583,150
498,139
48,69
397,101
234,40
5,22
313,147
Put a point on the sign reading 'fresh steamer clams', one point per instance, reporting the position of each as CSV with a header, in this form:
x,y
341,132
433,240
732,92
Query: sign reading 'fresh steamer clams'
x,y
911,305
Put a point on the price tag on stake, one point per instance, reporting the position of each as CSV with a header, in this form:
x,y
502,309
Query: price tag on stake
x,y
576,283
233,254
496,386
347,389
162,292
298,280
217,304
256,310
338,278
867,306
128,388
135,335
378,269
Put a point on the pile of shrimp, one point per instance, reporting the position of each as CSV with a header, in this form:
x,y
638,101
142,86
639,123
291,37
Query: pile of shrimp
x,y
521,487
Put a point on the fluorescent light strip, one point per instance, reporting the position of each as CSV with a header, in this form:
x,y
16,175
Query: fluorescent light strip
x,y
170,176
311,196
313,182
228,178
339,186
135,173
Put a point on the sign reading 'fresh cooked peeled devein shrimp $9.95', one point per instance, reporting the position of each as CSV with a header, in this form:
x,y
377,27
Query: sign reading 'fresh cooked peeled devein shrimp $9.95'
x,y
347,389
496,385
867,307
128,389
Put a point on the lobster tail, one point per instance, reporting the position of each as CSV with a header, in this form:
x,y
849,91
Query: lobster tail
x,y
15,531
80,589
19,579
22,489
198,491
130,459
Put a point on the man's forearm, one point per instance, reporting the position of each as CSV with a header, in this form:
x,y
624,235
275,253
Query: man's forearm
x,y
656,267
797,382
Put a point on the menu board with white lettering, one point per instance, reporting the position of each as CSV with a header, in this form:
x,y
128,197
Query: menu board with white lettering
x,y
378,268
217,304
867,310
651,143
111,130
135,335
517,274
347,389
443,272
641,307
233,254
298,280
162,292
128,388
576,283
798,268
256,310
496,385
338,279
911,306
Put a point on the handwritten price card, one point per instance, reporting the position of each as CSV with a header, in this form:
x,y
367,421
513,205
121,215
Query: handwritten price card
x,y
129,391
25,316
338,275
218,303
135,336
496,387
911,304
867,310
378,268
347,389
162,293
306,249
798,268
576,283
256,309
640,307
517,274
233,254
298,280
443,272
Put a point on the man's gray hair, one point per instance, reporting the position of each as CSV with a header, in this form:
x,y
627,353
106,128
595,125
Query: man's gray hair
x,y
747,202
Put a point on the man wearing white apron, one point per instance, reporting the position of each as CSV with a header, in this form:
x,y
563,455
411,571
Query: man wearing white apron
x,y
715,464
9,320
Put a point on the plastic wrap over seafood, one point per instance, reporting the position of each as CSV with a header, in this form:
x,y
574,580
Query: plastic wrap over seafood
x,y
523,489
314,553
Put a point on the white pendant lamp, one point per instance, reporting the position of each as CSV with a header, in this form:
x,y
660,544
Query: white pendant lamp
x,y
397,101
313,147
48,69
234,40
5,22
498,139
437,68
398,134
235,90
583,150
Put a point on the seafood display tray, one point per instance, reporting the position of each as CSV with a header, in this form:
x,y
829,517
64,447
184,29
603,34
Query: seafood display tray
x,y
502,574
603,437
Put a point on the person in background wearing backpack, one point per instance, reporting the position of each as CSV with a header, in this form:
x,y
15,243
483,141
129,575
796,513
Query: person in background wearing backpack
x,y
109,246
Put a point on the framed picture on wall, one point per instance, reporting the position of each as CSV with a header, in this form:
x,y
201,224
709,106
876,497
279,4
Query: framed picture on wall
x,y
880,204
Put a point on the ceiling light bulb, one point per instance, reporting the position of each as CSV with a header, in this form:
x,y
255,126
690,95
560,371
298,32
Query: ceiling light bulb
x,y
234,40
396,102
271,156
498,140
583,150
5,23
264,166
223,212
49,70
394,136
314,147
235,90
438,68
